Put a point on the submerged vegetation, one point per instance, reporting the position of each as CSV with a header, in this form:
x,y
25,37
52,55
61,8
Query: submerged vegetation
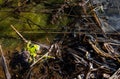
x,y
31,18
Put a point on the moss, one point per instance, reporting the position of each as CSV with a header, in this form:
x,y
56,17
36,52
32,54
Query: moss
x,y
54,1
1,1
39,19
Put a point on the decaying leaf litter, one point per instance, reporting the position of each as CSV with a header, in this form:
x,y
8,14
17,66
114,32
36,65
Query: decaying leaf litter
x,y
81,50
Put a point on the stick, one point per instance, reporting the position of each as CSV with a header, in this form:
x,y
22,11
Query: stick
x,y
42,45
19,34
38,60
4,65
116,75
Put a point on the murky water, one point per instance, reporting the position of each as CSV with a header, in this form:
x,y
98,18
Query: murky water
x,y
11,41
